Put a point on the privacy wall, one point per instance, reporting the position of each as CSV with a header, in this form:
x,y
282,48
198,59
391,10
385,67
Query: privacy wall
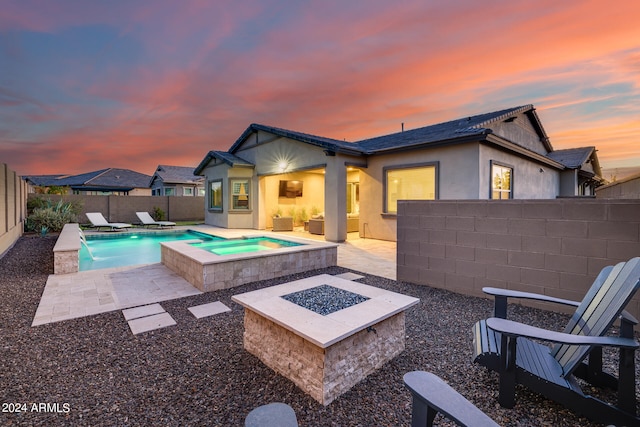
x,y
13,207
554,247
124,208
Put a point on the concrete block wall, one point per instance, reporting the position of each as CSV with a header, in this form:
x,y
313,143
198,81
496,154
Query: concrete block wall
x,y
13,207
124,208
554,247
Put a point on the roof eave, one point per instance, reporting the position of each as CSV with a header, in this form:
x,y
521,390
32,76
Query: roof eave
x,y
449,141
501,142
254,127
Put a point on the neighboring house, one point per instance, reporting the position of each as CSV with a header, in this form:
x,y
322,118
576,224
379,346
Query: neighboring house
x,y
104,182
176,181
501,155
626,188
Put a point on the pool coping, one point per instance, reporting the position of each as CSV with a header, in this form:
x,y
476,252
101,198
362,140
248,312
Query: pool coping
x,y
210,272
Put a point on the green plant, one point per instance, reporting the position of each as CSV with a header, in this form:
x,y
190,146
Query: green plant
x,y
292,213
314,211
302,215
277,213
157,214
52,217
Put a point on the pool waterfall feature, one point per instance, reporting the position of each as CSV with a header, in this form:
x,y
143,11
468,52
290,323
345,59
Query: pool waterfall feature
x,y
206,270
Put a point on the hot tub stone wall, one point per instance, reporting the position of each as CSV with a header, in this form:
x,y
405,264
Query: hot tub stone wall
x,y
324,374
236,272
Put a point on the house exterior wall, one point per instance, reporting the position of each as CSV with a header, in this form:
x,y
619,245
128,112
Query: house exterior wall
x,y
457,179
159,188
520,130
312,196
553,247
528,181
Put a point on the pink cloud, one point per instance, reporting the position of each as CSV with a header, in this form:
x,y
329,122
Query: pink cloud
x,y
211,68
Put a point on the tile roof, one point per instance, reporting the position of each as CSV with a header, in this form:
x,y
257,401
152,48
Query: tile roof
x,y
572,158
473,126
103,179
460,129
176,174
228,158
329,144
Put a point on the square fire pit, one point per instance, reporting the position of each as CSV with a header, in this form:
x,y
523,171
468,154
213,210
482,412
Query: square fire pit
x,y
324,333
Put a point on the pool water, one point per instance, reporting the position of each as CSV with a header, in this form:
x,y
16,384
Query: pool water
x,y
248,244
124,249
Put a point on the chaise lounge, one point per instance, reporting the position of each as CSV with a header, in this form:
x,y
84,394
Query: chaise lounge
x,y
98,221
148,221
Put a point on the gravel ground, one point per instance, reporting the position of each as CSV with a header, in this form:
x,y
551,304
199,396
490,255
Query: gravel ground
x,y
197,374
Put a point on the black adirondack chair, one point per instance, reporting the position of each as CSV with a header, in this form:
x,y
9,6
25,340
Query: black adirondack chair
x,y
508,348
432,395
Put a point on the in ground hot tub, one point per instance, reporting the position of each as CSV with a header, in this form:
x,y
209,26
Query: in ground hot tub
x,y
223,264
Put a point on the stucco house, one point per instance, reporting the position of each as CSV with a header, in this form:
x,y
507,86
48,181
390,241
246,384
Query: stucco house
x,y
176,181
103,182
500,155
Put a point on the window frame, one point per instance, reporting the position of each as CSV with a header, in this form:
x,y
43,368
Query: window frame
x,y
232,195
210,206
385,173
493,163
187,189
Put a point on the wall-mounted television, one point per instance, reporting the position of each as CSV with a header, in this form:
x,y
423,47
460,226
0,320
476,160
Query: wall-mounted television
x,y
291,189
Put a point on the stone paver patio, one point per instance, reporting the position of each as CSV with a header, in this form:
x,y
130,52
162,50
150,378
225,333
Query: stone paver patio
x,y
68,296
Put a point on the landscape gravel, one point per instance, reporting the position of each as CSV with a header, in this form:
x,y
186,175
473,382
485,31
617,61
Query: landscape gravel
x,y
93,371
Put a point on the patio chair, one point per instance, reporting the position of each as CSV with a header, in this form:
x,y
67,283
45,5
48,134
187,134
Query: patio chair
x,y
432,395
509,348
148,221
98,221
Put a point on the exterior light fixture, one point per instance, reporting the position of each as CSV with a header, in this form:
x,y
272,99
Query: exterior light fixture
x,y
282,165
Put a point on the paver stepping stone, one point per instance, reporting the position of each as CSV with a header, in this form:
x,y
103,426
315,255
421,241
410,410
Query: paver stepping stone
x,y
149,323
209,309
349,276
142,311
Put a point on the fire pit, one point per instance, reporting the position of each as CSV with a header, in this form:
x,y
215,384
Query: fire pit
x,y
324,333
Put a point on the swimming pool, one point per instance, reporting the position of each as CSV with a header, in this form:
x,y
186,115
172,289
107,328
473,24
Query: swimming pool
x,y
123,249
243,245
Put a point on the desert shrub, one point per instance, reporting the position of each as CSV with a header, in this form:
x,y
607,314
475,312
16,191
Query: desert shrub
x,y
52,217
157,214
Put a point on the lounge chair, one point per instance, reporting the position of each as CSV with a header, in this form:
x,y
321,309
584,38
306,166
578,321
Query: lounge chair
x,y
147,220
98,221
513,350
432,395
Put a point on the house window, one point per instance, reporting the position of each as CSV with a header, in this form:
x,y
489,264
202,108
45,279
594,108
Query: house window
x,y
201,191
187,191
215,195
240,194
169,191
412,182
501,181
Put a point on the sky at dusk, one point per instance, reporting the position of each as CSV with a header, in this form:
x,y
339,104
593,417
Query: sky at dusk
x,y
87,85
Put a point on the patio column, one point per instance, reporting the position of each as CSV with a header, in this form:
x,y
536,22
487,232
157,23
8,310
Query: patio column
x,y
335,200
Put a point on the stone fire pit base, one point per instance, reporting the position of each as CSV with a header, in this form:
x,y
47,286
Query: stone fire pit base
x,y
324,355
